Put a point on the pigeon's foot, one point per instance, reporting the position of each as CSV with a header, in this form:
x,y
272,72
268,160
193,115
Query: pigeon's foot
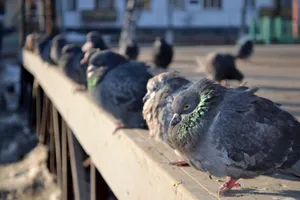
x,y
119,126
80,88
87,162
181,163
228,185
224,83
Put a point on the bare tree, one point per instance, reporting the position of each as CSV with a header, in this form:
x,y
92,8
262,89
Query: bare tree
x,y
243,18
132,14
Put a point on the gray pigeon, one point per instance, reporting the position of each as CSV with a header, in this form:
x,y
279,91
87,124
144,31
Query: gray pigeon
x,y
221,67
157,110
232,132
118,85
70,63
58,43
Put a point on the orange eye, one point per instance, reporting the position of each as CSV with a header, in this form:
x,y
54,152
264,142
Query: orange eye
x,y
186,106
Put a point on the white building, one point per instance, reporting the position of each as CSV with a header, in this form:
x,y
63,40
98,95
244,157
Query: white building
x,y
186,13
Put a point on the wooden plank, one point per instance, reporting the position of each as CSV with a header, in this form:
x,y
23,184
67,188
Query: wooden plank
x,y
67,183
56,131
80,187
132,167
36,93
99,188
44,119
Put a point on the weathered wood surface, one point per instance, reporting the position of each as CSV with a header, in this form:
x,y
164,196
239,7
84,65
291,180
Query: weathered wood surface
x,y
134,166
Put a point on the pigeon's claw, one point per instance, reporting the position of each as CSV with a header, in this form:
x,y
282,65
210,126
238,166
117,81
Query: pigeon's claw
x,y
224,83
228,186
181,163
80,88
119,126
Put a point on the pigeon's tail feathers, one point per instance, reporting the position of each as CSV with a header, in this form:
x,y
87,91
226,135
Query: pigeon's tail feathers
x,y
245,50
295,169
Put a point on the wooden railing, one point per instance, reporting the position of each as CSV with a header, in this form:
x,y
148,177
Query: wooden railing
x,y
134,166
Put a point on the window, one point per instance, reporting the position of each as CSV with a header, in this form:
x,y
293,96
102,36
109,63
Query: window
x,y
104,4
215,4
72,5
145,4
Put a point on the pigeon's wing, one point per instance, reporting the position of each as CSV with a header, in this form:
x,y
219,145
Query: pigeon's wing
x,y
129,87
259,136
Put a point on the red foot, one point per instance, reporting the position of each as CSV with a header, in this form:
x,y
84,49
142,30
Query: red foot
x,y
181,163
119,126
228,186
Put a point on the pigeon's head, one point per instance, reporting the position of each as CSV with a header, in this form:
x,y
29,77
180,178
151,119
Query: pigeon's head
x,y
71,48
94,40
59,40
184,103
158,82
102,61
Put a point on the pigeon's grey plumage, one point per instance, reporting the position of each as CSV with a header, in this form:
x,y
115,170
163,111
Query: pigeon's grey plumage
x,y
157,110
162,53
232,132
94,40
118,86
58,43
70,63
132,50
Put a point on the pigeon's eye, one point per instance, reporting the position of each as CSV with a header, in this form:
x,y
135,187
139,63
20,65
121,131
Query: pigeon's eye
x,y
186,106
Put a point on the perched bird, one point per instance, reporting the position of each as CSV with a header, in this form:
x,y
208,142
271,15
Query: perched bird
x,y
94,40
233,132
31,41
157,110
70,63
44,48
58,43
132,50
162,53
222,67
118,85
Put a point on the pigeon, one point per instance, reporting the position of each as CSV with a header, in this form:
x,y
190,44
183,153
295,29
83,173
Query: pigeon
x,y
157,110
132,50
162,53
44,48
58,43
31,41
94,40
221,67
233,132
70,63
118,85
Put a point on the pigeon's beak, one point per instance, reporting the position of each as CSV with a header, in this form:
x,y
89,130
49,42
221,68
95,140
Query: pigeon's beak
x,y
146,97
87,45
176,119
83,60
